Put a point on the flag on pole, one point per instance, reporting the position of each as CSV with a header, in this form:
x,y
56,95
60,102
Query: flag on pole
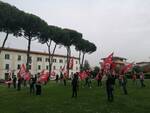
x,y
126,68
27,76
43,76
107,62
22,70
83,75
71,63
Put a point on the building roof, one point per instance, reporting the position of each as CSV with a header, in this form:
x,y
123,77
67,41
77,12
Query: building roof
x,y
32,52
116,57
142,63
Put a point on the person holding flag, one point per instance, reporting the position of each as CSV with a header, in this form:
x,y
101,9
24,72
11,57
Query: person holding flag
x,y
110,86
142,79
75,85
107,67
32,84
99,79
124,70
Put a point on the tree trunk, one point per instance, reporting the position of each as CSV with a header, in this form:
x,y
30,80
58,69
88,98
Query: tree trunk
x,y
49,60
68,58
28,54
52,55
82,61
6,37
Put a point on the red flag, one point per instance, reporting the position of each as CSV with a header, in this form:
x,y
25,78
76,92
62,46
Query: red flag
x,y
107,62
27,76
113,65
52,73
22,70
83,75
71,62
63,69
126,68
43,76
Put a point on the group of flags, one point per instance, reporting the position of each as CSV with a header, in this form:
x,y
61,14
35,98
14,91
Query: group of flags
x,y
108,64
44,75
23,73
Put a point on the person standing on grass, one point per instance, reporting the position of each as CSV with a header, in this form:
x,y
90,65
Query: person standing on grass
x,y
134,77
74,84
124,83
14,81
142,79
9,82
110,86
38,88
19,83
57,78
32,84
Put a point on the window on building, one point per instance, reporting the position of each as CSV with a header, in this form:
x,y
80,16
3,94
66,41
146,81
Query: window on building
x,y
54,67
39,59
54,60
7,56
18,66
60,60
39,67
77,68
6,76
76,62
65,61
19,57
7,66
47,67
60,67
29,66
30,59
46,59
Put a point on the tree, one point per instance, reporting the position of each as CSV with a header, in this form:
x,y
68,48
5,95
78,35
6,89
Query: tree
x,y
70,37
10,18
86,65
95,71
52,34
86,47
32,28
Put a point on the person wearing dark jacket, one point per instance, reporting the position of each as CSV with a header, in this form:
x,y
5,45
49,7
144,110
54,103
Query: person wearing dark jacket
x,y
14,81
110,87
19,83
124,83
74,85
32,85
38,88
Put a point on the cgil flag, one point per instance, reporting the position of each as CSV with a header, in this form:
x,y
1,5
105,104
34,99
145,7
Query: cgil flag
x,y
23,73
71,63
106,65
126,68
22,70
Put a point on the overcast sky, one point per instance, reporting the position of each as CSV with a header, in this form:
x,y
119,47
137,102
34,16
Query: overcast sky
x,y
119,26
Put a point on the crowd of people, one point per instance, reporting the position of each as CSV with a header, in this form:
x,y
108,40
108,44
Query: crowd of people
x,y
110,78
17,82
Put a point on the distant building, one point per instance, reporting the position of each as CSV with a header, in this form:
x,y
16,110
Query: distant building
x,y
12,59
141,64
119,61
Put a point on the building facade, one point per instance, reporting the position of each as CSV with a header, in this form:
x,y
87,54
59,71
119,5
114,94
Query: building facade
x,y
119,61
11,60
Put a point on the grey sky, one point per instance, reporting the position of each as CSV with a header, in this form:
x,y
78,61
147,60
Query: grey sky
x,y
121,26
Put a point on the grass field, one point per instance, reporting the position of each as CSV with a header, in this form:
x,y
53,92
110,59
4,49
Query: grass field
x,y
56,98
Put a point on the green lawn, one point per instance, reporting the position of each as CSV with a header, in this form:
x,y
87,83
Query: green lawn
x,y
56,98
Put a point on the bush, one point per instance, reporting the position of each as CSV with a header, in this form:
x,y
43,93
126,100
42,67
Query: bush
x,y
147,75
